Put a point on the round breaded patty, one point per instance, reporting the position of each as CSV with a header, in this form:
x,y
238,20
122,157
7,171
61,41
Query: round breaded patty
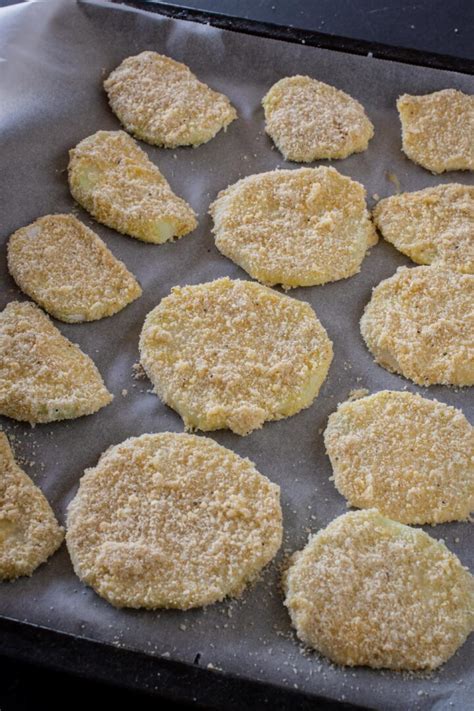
x,y
172,520
29,532
161,101
309,120
233,354
369,591
431,226
114,180
409,457
438,129
294,227
43,376
68,270
420,323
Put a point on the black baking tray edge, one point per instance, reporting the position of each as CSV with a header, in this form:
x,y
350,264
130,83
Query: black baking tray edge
x,y
180,681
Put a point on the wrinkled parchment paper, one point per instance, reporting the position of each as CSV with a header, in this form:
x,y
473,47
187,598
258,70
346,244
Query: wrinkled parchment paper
x,y
53,57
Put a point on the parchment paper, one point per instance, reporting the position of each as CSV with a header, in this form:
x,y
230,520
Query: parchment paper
x,y
53,57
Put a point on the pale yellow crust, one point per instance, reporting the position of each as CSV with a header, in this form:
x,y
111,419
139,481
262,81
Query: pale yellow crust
x,y
420,323
114,180
68,270
369,591
172,520
43,376
431,226
438,129
409,457
29,532
233,354
161,101
309,120
294,227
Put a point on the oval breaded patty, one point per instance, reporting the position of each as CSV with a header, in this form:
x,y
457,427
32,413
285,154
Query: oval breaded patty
x,y
309,120
431,226
114,180
369,591
233,354
29,532
438,129
161,101
172,520
409,457
68,270
43,376
420,323
294,227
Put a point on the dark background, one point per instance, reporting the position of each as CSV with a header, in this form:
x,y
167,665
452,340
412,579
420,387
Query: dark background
x,y
440,26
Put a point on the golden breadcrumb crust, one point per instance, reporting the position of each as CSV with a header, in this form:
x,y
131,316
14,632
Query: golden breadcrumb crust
x,y
420,323
161,101
309,120
29,532
369,591
114,180
431,226
43,376
233,354
409,457
172,520
68,270
294,227
438,129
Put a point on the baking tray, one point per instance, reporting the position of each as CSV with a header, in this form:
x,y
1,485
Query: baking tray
x,y
238,654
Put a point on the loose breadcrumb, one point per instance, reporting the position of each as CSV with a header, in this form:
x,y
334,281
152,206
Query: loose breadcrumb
x,y
29,532
43,376
369,591
294,227
68,270
234,354
420,323
161,101
114,180
172,520
309,120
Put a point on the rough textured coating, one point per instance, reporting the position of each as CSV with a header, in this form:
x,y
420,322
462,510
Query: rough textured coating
x,y
114,180
409,457
309,120
431,226
172,520
420,323
29,532
294,227
43,376
234,354
369,591
438,129
68,270
161,101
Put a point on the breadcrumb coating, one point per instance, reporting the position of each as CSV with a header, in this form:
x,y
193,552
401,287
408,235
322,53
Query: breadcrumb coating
x,y
233,354
29,532
161,101
114,180
438,129
43,376
369,591
420,323
68,270
431,226
309,120
294,227
172,520
409,457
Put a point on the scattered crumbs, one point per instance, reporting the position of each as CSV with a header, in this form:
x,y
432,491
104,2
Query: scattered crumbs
x,y
357,393
137,371
124,392
376,196
393,179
